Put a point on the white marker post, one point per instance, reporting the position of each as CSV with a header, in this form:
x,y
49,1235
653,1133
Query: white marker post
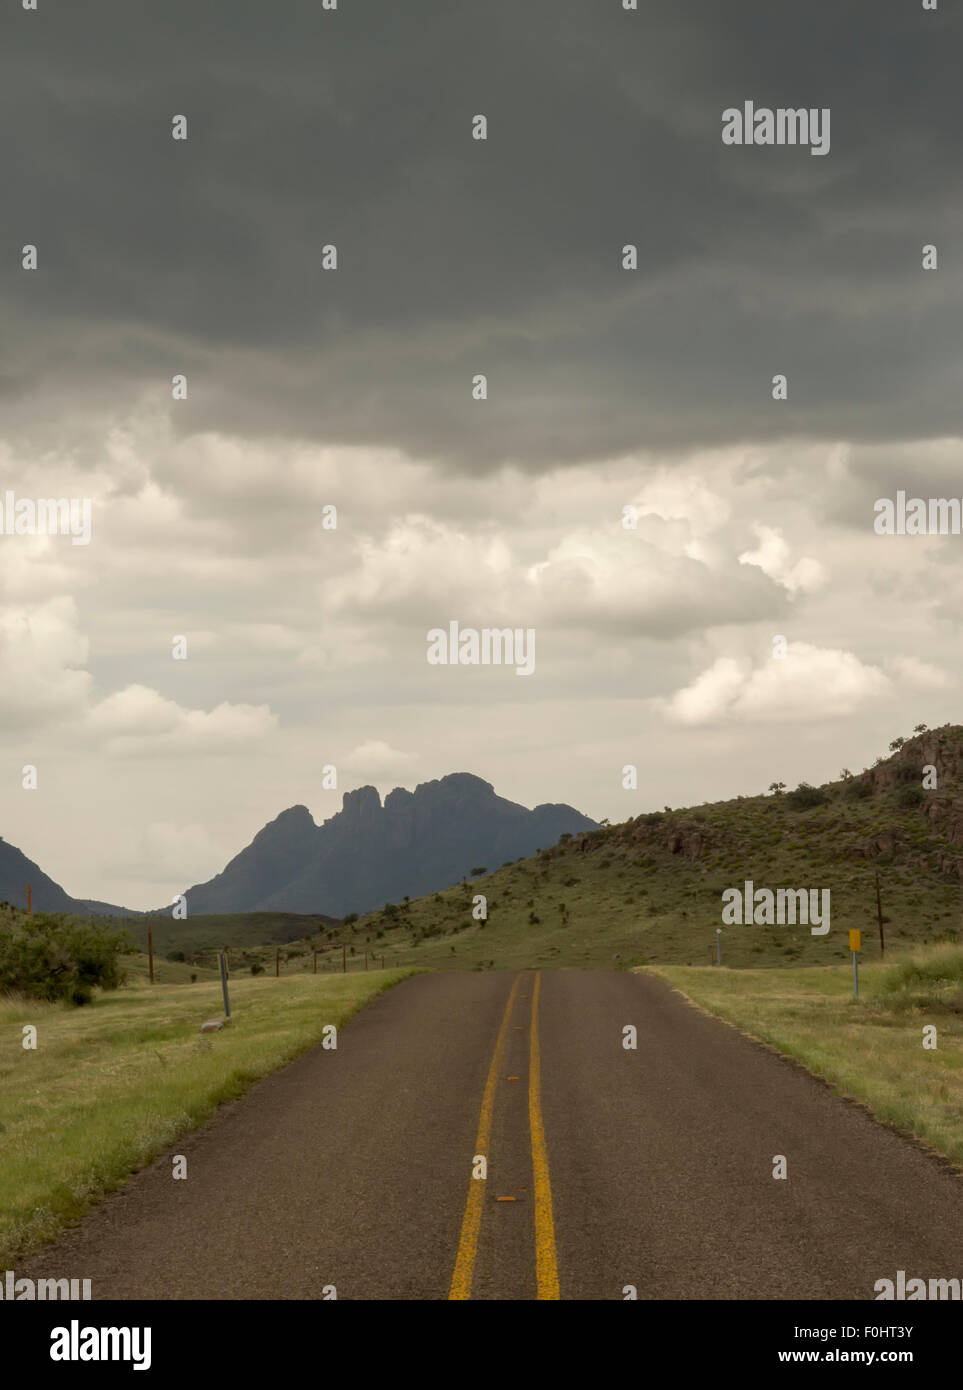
x,y
855,945
227,1002
718,945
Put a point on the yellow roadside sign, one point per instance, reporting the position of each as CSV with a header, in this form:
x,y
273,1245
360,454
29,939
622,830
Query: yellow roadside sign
x,y
854,941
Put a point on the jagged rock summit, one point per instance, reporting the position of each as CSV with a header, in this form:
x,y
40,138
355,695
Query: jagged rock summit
x,y
368,853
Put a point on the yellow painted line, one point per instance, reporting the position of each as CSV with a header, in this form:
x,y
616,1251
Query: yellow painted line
x,y
546,1264
461,1279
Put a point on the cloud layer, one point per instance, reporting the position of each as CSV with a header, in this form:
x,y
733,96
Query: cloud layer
x,y
612,394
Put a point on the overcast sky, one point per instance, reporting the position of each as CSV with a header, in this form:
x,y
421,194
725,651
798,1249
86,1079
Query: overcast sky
x,y
352,388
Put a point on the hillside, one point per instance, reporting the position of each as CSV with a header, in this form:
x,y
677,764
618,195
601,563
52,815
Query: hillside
x,y
16,871
650,889
195,935
368,853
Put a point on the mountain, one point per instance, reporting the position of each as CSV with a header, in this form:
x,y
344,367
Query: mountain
x,y
16,871
651,889
368,853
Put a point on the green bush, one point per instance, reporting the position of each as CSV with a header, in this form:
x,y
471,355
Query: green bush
x,y
907,772
910,796
54,957
858,789
806,796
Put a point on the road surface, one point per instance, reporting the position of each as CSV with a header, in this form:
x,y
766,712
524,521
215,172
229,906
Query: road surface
x,y
607,1168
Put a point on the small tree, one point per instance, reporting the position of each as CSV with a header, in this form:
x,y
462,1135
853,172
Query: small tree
x,y
806,796
777,788
896,745
54,957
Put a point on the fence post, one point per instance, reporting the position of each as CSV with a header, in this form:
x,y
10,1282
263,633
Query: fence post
x,y
227,1002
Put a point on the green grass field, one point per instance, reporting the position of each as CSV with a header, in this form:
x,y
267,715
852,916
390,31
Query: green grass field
x,y
114,1083
871,1050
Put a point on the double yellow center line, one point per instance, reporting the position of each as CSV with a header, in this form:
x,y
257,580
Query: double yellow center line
x,y
546,1264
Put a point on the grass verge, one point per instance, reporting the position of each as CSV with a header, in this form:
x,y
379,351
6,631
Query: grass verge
x,y
113,1084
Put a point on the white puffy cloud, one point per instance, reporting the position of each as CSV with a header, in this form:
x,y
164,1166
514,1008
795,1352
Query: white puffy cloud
x,y
374,756
417,562
41,657
644,584
808,683
646,580
139,722
773,557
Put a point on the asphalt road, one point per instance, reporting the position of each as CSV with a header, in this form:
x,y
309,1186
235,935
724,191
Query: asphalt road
x,y
606,1167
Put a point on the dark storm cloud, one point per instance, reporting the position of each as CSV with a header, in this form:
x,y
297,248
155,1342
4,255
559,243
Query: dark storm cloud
x,y
459,257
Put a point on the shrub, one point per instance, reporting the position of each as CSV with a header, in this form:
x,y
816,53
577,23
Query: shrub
x,y
907,772
858,790
351,917
806,796
910,796
54,957
255,970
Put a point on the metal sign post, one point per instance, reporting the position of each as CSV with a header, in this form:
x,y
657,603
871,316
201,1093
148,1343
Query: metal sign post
x,y
855,945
